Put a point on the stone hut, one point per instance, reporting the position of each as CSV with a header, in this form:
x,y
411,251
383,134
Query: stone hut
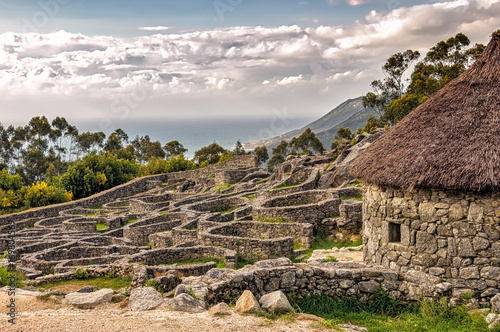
x,y
432,200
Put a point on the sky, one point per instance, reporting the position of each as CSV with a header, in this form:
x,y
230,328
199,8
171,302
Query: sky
x,y
151,59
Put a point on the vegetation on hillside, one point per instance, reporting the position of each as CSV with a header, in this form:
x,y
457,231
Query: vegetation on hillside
x,y
48,162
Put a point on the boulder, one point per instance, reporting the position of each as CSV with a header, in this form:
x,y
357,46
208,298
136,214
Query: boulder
x,y
90,300
186,303
220,309
247,303
182,289
144,298
276,303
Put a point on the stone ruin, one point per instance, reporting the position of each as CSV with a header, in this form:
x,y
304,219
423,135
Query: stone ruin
x,y
154,228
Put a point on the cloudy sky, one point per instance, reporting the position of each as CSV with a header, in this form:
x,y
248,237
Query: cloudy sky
x,y
92,59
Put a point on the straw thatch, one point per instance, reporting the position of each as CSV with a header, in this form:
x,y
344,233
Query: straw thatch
x,y
452,141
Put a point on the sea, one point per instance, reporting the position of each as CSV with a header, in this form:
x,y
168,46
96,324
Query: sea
x,y
198,132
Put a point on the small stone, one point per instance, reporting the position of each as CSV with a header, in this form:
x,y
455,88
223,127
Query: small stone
x,y
301,316
491,318
220,309
275,302
495,304
352,328
247,303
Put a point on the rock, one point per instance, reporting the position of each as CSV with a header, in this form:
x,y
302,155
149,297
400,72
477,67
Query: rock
x,y
352,328
90,300
182,289
344,250
220,309
186,303
275,302
482,312
247,304
88,289
473,305
301,316
144,298
443,288
491,318
495,304
271,263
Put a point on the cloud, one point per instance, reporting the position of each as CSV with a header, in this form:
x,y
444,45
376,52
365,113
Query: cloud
x,y
157,28
211,71
357,2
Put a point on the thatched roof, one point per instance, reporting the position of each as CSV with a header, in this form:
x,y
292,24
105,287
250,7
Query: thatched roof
x,y
452,141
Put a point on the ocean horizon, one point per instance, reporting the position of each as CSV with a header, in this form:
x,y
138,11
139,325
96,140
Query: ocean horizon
x,y
196,133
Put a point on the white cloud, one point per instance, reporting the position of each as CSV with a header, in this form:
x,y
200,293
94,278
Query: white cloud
x,y
211,71
156,28
357,2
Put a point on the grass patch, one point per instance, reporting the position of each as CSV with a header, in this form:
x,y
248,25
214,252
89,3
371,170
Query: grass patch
x,y
250,197
114,283
5,275
275,220
131,221
164,183
242,262
331,259
283,185
224,187
385,313
94,215
357,183
357,198
321,241
231,209
101,226
164,212
221,264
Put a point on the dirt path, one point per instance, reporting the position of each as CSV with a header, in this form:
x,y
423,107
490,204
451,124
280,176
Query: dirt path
x,y
53,314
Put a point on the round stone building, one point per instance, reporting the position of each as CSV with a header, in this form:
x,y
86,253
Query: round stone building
x,y
432,200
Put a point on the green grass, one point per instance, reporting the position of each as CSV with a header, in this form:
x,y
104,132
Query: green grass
x,y
101,226
164,183
114,283
242,262
282,186
131,221
231,209
250,197
357,198
357,183
385,313
5,274
321,241
331,259
223,187
93,215
275,220
164,212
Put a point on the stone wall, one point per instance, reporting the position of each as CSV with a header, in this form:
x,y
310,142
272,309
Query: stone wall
x,y
449,234
173,255
233,236
306,207
343,280
231,176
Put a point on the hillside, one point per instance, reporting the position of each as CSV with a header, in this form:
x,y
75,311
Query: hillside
x,y
350,113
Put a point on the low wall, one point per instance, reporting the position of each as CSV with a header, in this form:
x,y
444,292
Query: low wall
x,y
332,279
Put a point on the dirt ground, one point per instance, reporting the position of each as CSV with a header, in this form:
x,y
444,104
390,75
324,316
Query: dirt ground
x,y
54,314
